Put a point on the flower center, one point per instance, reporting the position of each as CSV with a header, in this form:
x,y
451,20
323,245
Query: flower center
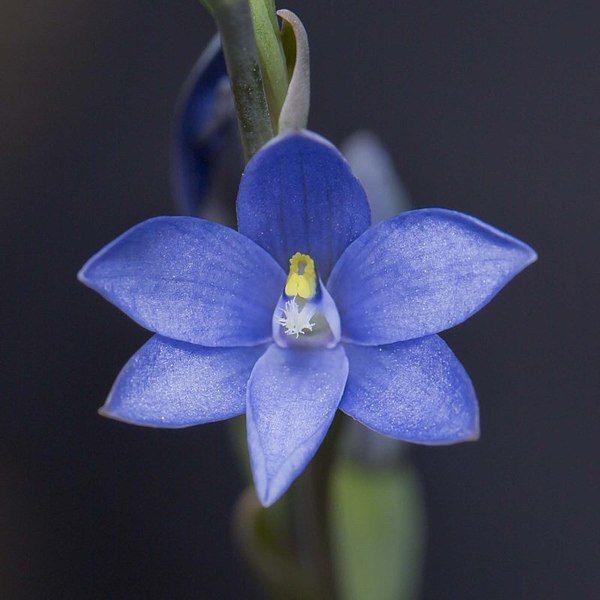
x,y
306,314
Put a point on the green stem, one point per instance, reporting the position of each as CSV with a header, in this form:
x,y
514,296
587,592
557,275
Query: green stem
x,y
314,526
234,20
268,551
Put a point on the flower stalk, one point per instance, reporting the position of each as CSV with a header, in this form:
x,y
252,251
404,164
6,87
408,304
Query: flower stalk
x,y
234,21
312,511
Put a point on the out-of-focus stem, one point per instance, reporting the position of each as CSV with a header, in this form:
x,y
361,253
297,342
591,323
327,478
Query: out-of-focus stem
x,y
313,518
269,552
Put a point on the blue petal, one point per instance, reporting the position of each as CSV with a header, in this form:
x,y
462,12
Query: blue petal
x,y
298,195
204,122
291,400
416,391
190,280
420,273
174,384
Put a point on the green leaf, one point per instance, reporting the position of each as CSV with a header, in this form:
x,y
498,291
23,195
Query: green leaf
x,y
378,531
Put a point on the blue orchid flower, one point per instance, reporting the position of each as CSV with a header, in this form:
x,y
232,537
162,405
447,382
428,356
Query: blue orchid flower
x,y
304,310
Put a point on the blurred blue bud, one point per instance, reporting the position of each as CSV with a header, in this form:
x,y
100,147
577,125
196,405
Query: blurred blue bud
x,y
374,167
206,160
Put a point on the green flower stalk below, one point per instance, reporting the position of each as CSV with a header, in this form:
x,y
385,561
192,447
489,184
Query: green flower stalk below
x,y
312,498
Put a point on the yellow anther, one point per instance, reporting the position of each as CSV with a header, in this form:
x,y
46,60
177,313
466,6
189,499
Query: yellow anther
x,y
302,278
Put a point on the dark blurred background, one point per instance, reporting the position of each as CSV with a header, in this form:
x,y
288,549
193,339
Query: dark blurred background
x,y
489,108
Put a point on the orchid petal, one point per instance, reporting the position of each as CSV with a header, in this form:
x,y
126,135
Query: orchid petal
x,y
420,273
190,280
416,391
174,384
291,400
297,194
